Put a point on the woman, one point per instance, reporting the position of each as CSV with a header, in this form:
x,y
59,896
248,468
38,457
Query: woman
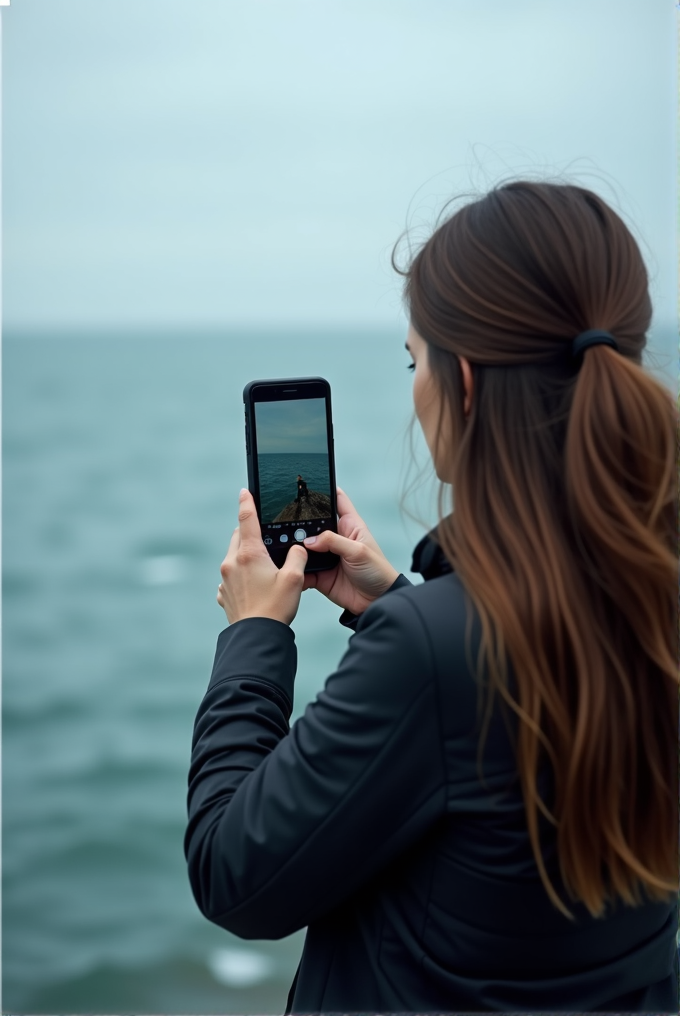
x,y
480,810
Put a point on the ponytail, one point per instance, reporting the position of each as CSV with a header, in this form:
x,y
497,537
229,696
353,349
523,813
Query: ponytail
x,y
621,488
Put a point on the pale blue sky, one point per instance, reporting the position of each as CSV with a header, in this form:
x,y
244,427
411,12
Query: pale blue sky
x,y
196,164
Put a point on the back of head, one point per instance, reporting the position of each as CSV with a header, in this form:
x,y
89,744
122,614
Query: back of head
x,y
564,529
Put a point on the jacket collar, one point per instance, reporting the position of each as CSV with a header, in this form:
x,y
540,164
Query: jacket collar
x,y
428,558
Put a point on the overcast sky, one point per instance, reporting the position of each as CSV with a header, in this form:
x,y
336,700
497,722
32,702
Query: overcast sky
x,y
295,426
212,162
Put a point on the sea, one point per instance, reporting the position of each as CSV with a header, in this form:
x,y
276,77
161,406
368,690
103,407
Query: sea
x,y
278,478
123,456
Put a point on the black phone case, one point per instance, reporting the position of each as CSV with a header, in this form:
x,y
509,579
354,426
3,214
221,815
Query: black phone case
x,y
315,561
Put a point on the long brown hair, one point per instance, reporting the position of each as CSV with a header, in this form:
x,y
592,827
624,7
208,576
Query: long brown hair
x,y
564,528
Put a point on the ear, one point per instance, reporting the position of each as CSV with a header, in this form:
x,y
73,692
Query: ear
x,y
468,385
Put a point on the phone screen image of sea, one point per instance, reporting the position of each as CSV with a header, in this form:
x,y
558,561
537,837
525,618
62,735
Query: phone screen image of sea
x,y
292,460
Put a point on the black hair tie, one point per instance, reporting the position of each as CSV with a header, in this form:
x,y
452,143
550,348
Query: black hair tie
x,y
593,337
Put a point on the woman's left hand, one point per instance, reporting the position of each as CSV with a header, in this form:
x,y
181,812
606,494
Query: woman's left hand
x,y
252,585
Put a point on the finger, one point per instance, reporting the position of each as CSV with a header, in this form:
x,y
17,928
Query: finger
x,y
248,521
231,549
310,581
348,550
295,562
345,506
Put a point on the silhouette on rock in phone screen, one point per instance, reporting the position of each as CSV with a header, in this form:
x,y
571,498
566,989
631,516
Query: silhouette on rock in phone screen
x,y
301,489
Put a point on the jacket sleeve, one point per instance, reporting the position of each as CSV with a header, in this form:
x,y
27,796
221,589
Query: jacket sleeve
x,y
286,825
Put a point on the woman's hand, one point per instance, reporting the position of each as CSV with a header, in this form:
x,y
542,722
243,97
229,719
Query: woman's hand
x,y
252,585
363,574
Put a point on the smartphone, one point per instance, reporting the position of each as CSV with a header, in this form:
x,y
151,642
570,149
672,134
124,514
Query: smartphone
x,y
291,467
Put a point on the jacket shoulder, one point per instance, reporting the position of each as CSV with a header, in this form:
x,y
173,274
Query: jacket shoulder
x,y
441,606
437,614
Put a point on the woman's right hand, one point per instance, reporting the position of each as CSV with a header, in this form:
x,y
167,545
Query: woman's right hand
x,y
363,573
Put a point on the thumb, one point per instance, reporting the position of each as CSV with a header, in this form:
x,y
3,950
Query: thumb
x,y
294,565
348,550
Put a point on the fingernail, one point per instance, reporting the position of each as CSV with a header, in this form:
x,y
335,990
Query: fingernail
x,y
242,493
310,539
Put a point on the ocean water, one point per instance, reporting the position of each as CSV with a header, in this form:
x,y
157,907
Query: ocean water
x,y
278,478
123,457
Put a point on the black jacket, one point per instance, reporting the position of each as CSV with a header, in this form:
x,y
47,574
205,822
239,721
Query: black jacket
x,y
367,822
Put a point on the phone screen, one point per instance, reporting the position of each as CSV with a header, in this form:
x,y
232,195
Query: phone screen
x,y
293,461
294,471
